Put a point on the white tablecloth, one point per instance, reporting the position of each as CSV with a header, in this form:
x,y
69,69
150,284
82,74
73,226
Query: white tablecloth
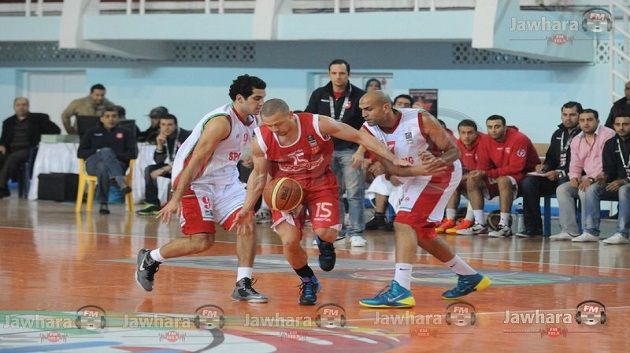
x,y
62,158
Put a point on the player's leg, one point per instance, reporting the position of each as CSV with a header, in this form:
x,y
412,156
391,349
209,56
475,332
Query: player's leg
x,y
198,229
323,205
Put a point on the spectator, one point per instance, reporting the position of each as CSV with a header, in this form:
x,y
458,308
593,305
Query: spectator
x,y
468,144
621,105
553,172
403,101
107,150
339,99
92,105
373,84
20,133
167,144
585,166
613,183
122,115
504,159
151,133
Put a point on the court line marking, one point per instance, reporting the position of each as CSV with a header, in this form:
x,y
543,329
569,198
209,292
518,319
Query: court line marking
x,y
364,251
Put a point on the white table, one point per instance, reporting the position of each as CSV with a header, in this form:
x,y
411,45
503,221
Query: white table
x,y
61,157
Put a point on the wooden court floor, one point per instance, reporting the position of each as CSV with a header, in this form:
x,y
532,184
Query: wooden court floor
x,y
52,263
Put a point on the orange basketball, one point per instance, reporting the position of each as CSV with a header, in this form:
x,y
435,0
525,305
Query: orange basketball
x,y
283,194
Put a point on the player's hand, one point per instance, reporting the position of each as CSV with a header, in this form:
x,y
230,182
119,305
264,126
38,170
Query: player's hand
x,y
3,150
171,208
426,156
402,163
376,168
244,223
431,168
357,160
615,185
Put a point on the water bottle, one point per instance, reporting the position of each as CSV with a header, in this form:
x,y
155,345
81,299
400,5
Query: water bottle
x,y
520,220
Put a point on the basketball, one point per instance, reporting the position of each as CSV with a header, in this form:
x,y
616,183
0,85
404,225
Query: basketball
x,y
283,194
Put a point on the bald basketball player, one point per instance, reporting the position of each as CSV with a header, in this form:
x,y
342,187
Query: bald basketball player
x,y
418,138
300,146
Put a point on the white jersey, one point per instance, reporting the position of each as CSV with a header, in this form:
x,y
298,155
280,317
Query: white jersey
x,y
220,168
406,141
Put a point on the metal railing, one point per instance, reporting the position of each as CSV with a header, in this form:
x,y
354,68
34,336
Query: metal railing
x,y
618,48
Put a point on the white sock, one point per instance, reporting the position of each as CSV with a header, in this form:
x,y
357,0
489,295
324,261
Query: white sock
x,y
469,212
403,275
460,266
505,218
479,217
244,272
155,255
451,213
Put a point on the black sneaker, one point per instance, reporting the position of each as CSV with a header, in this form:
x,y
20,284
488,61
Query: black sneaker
x,y
327,256
529,234
4,193
308,291
104,209
245,292
150,210
377,222
147,267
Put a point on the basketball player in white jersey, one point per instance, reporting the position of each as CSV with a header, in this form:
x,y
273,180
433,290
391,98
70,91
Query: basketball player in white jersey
x,y
418,137
206,189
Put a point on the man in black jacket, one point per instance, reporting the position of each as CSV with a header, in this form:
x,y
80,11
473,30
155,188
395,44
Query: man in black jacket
x,y
614,183
553,171
166,145
153,130
20,133
621,105
339,99
107,150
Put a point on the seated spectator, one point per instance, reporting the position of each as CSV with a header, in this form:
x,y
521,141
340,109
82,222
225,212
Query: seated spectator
x,y
107,150
373,84
585,166
122,115
621,105
167,144
553,172
152,132
613,183
468,143
92,105
403,101
504,159
20,133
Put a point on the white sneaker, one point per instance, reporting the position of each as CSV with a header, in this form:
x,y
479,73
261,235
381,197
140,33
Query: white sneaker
x,y
562,236
585,237
502,231
357,241
474,230
616,238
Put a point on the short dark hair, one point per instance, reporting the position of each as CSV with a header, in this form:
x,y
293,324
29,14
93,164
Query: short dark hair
x,y
169,117
109,109
338,62
403,96
121,110
273,106
592,111
244,85
97,86
572,104
621,114
367,84
467,122
496,117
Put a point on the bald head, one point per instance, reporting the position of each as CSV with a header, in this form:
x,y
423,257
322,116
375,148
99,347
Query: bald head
x,y
376,97
376,108
274,106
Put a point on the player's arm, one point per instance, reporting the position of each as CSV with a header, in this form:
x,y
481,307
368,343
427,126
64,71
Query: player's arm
x,y
342,131
258,177
434,131
215,131
255,184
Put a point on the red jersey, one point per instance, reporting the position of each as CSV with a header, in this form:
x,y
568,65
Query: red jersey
x,y
469,156
308,157
514,156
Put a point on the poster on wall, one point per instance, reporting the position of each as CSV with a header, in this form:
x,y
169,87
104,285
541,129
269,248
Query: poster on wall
x,y
425,98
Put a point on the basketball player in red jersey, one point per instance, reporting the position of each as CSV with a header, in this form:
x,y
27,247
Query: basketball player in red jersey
x,y
418,138
300,146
